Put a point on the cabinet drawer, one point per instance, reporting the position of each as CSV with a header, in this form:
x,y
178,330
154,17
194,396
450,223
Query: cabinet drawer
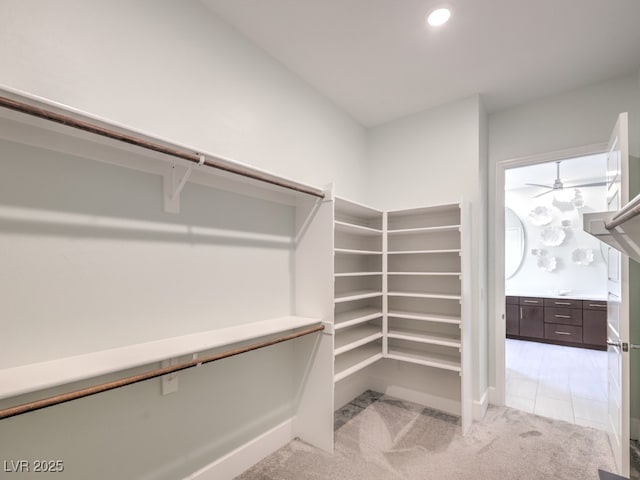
x,y
566,316
562,303
594,305
531,301
594,328
563,333
512,300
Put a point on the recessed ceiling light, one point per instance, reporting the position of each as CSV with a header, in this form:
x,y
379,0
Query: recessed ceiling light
x,y
438,17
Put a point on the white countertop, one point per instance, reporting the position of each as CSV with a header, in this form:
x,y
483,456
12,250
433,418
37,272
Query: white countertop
x,y
554,294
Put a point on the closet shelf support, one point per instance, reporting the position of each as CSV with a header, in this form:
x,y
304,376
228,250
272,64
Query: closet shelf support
x,y
43,110
159,372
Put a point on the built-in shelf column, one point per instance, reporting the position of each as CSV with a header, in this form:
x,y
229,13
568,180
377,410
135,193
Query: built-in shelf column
x,y
358,287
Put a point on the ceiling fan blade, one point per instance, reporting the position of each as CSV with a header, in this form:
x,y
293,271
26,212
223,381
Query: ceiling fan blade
x,y
538,185
594,184
543,193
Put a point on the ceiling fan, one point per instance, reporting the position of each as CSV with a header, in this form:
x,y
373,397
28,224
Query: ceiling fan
x,y
558,185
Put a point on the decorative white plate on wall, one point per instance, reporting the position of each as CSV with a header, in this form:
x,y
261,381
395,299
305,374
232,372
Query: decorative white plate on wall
x,y
552,236
582,256
548,264
540,216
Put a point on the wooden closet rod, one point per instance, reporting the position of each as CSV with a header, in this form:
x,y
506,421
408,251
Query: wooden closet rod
x,y
104,387
149,145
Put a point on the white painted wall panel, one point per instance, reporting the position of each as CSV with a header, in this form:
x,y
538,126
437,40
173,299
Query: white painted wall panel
x,y
175,70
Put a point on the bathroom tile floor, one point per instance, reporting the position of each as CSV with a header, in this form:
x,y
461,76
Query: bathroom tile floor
x,y
563,383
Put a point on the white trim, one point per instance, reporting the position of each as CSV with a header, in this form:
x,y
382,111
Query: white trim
x,y
480,406
494,399
634,431
244,457
496,309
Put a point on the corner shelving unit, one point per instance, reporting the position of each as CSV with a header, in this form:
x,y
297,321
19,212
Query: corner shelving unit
x,y
358,287
425,316
424,263
400,293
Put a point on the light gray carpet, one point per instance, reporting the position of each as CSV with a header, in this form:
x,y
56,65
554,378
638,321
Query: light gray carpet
x,y
382,438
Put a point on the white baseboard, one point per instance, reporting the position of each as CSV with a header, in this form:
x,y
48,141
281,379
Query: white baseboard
x,y
480,406
247,455
443,404
493,397
349,388
634,429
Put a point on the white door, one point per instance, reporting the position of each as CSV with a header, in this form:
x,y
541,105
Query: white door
x,y
618,302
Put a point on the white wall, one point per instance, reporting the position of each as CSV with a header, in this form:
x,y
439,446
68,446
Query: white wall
x,y
175,70
93,257
580,117
418,159
582,281
90,261
434,157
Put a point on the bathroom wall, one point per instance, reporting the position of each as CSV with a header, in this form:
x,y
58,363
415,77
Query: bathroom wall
x,y
570,277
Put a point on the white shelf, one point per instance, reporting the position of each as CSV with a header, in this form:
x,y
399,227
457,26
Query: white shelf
x,y
428,359
356,252
355,337
428,274
354,317
359,295
411,231
625,238
443,296
433,209
423,337
38,376
357,274
252,181
354,229
354,360
413,252
355,209
425,317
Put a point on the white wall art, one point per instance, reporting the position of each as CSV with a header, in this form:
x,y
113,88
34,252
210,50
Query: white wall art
x,y
582,256
540,216
548,264
552,236
552,268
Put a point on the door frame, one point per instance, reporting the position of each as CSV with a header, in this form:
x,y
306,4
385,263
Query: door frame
x,y
498,391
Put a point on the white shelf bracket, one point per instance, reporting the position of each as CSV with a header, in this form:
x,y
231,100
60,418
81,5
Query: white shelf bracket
x,y
328,327
175,179
170,381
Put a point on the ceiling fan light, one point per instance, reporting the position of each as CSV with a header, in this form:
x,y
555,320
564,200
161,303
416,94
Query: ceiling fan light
x,y
566,195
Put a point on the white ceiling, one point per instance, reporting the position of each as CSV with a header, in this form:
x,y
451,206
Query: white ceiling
x,y
377,60
572,171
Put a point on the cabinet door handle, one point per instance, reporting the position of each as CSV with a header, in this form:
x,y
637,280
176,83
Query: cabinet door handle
x,y
530,301
597,305
563,333
520,313
562,303
562,316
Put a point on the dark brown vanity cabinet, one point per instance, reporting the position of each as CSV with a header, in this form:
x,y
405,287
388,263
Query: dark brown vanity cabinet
x,y
594,323
513,317
531,314
572,322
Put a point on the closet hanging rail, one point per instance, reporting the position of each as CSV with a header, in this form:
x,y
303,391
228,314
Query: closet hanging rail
x,y
209,161
626,213
159,372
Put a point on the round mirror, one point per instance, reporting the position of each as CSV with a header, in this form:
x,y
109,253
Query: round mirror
x,y
514,243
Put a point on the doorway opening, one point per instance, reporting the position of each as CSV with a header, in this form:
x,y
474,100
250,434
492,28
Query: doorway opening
x,y
555,291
